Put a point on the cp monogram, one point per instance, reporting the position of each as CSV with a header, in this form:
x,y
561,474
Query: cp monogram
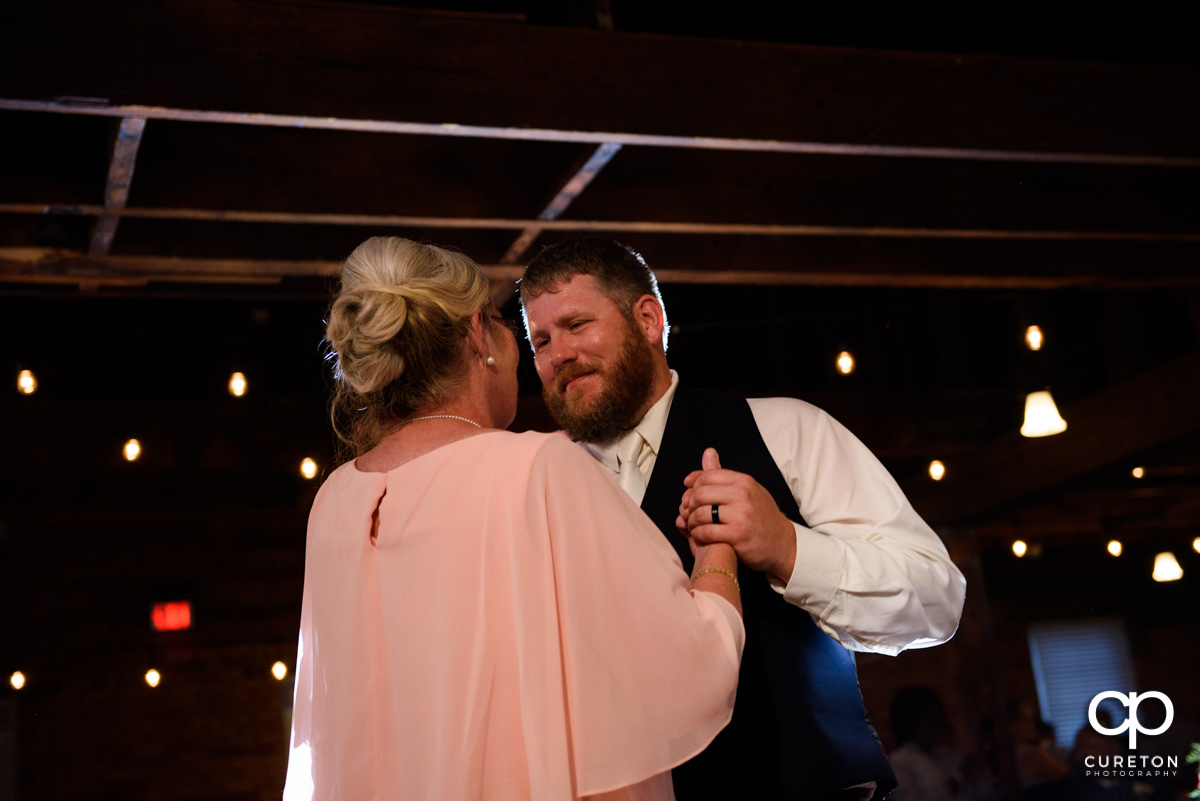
x,y
1132,723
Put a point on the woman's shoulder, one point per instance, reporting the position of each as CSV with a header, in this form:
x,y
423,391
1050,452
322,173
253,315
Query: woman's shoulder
x,y
515,453
340,474
552,453
343,483
538,443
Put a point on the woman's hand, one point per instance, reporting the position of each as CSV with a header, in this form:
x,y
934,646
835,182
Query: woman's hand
x,y
749,520
716,563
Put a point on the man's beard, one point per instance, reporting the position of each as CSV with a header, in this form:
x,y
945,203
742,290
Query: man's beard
x,y
621,402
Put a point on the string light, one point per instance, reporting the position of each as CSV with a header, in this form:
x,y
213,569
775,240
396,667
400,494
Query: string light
x,y
1114,547
17,680
1138,472
937,470
1041,416
1019,547
153,677
308,468
279,671
132,450
845,363
237,385
26,382
1166,567
1034,338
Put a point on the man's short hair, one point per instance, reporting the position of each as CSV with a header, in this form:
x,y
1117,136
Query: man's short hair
x,y
620,272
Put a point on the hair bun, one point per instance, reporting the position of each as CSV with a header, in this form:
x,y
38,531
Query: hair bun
x,y
363,326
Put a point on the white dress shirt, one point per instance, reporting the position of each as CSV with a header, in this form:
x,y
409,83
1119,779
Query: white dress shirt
x,y
871,573
651,428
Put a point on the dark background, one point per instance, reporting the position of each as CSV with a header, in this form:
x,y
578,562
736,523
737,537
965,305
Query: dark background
x,y
1054,181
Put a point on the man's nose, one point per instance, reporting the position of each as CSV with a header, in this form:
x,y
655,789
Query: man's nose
x,y
561,354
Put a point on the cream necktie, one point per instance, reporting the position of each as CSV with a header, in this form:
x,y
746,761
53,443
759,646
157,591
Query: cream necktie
x,y
629,475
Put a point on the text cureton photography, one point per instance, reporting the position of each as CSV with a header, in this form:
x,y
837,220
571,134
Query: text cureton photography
x,y
1112,765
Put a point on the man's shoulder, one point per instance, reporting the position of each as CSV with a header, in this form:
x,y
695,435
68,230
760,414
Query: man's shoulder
x,y
773,416
769,404
783,407
770,411
784,421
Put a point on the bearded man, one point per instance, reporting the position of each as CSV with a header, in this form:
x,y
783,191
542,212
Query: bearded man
x,y
833,557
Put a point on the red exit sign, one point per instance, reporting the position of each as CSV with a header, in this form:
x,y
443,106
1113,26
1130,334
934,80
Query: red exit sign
x,y
171,616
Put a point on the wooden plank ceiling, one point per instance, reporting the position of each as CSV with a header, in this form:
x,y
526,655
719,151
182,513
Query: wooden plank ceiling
x,y
231,149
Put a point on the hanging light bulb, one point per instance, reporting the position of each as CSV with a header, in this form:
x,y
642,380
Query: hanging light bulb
x,y
153,677
17,680
1196,545
1138,472
1114,547
26,382
132,450
279,671
1166,567
1041,416
1034,338
308,468
845,363
1019,547
937,470
237,385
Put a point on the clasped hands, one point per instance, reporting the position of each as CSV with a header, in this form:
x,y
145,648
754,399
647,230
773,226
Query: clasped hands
x,y
749,520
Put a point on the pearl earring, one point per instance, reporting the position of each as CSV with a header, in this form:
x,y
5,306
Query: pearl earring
x,y
491,360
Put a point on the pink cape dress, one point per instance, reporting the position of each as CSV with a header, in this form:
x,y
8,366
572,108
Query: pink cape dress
x,y
518,629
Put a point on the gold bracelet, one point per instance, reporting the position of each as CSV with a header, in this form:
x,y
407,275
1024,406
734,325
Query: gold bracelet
x,y
731,574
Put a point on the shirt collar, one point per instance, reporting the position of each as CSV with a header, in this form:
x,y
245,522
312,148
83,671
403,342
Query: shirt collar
x,y
652,426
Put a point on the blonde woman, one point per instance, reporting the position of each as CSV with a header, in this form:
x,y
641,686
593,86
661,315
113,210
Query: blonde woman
x,y
486,615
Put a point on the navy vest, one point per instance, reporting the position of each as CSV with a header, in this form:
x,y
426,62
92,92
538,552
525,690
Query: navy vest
x,y
799,728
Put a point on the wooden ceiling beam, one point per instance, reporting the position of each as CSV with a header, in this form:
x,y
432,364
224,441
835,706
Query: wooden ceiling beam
x,y
120,176
503,291
1108,510
49,265
93,107
1114,425
45,265
570,190
613,226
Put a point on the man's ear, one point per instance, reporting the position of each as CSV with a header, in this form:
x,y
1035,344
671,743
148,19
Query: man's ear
x,y
648,316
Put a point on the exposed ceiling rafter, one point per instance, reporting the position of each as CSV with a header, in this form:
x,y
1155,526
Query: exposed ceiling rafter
x,y
101,108
120,175
615,226
1156,407
571,189
56,266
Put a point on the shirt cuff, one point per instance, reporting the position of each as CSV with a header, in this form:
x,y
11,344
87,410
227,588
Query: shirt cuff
x,y
815,583
817,574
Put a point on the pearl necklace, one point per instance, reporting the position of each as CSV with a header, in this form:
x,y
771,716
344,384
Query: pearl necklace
x,y
403,423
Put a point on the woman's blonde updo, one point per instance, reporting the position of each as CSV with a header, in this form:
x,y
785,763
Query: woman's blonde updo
x,y
397,330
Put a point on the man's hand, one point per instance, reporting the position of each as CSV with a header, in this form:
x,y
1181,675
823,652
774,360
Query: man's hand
x,y
762,536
